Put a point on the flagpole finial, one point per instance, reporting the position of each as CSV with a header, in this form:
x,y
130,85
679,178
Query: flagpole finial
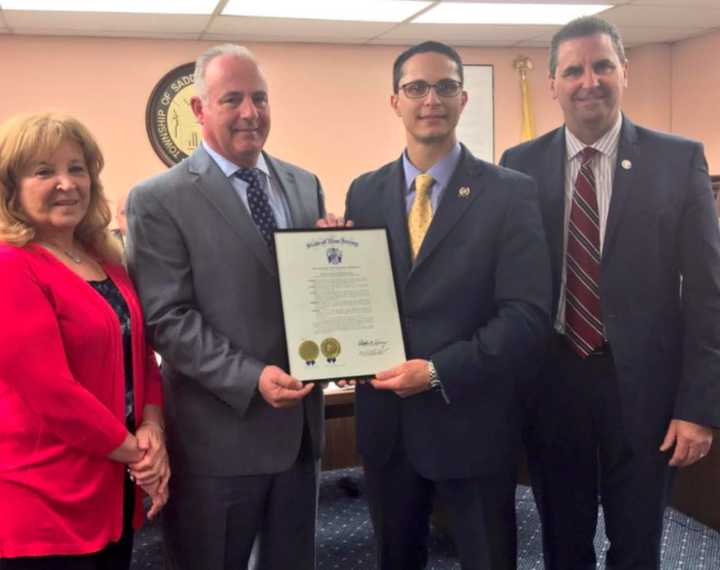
x,y
522,65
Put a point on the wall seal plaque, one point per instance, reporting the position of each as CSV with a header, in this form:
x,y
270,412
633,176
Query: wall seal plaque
x,y
171,126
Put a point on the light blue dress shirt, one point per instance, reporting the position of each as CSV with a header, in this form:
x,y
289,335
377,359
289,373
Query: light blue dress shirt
x,y
441,172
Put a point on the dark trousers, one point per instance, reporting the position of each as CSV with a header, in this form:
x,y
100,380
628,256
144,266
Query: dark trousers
x,y
579,455
215,523
481,513
115,556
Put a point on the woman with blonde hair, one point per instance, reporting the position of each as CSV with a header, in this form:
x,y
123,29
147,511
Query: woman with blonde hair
x,y
80,395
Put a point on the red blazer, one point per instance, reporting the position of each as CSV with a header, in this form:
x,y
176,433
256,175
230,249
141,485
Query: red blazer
x,y
62,393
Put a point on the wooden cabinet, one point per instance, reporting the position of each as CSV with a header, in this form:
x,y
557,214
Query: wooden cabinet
x,y
340,449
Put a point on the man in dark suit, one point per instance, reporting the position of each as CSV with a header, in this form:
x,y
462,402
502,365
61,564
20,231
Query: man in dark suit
x,y
632,384
472,272
243,436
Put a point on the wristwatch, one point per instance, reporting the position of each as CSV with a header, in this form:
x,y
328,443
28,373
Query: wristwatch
x,y
434,380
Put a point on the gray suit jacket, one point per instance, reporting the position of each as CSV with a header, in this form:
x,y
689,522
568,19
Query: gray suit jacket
x,y
209,289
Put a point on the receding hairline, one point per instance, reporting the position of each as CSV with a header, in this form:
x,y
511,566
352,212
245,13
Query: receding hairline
x,y
215,53
585,27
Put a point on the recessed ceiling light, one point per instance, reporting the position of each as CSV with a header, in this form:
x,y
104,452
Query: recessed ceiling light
x,y
118,6
470,13
351,10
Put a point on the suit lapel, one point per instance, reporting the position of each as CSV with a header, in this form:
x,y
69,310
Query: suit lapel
x,y
393,204
462,190
553,179
624,179
285,179
215,186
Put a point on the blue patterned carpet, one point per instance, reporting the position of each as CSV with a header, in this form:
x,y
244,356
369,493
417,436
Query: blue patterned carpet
x,y
345,536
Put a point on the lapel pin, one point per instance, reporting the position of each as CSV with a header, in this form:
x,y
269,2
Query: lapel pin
x,y
626,164
464,192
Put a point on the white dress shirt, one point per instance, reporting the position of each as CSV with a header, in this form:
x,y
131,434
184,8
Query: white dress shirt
x,y
603,166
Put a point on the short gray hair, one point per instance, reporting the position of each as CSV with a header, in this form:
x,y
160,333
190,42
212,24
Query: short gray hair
x,y
583,28
204,60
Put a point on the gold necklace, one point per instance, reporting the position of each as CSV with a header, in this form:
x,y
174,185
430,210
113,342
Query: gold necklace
x,y
74,257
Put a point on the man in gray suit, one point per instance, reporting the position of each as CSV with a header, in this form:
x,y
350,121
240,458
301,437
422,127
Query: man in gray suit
x,y
244,436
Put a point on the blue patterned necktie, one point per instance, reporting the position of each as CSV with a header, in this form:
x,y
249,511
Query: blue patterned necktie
x,y
259,204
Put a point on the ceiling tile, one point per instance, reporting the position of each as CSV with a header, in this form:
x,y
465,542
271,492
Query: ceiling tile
x,y
287,29
542,1
680,3
665,16
482,34
23,22
640,22
113,34
285,38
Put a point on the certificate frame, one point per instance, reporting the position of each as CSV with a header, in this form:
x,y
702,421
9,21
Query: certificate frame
x,y
340,304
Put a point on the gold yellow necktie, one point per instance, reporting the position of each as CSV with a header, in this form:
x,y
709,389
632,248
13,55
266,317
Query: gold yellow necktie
x,y
420,214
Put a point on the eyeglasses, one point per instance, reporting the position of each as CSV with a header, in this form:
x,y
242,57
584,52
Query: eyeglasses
x,y
419,89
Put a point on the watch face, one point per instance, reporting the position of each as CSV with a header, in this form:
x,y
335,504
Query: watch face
x,y
171,125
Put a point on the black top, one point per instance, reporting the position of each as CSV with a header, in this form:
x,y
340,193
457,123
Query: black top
x,y
112,295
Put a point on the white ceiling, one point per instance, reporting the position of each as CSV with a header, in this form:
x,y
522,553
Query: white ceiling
x,y
640,22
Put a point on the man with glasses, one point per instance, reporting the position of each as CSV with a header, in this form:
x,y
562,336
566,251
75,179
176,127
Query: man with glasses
x,y
472,272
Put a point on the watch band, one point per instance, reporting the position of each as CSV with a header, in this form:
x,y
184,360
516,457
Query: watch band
x,y
434,379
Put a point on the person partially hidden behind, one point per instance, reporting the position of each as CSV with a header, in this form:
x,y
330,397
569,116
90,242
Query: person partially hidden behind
x,y
80,394
472,272
631,387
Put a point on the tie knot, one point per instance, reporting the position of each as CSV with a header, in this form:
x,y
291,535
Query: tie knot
x,y
587,154
423,183
249,175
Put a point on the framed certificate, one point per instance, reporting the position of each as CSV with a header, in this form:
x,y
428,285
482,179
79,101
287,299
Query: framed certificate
x,y
339,303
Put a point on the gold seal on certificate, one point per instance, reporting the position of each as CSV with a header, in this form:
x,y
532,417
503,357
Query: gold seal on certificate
x,y
339,303
331,349
309,351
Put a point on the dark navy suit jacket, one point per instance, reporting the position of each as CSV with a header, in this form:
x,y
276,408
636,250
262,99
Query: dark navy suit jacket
x,y
476,302
660,272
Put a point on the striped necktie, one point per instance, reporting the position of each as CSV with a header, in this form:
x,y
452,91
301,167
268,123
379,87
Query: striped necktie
x,y
420,214
583,320
259,205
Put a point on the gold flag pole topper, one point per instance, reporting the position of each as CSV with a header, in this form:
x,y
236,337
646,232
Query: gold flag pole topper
x,y
522,65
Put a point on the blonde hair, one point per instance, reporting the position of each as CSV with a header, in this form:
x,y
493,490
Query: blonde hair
x,y
25,139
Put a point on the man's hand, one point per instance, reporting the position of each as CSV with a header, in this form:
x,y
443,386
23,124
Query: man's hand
x,y
281,390
331,221
158,497
154,467
408,379
692,442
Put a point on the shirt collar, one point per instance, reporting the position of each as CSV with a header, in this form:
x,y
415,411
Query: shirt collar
x,y
229,168
441,171
606,144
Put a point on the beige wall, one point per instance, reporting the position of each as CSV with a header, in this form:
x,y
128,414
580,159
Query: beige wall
x,y
696,93
330,107
647,100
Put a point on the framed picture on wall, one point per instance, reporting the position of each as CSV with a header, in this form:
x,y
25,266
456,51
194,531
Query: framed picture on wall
x,y
476,129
